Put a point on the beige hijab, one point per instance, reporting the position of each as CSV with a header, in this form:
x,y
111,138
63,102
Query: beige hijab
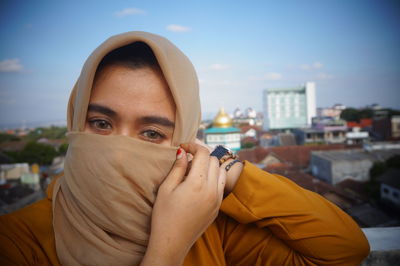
x,y
102,205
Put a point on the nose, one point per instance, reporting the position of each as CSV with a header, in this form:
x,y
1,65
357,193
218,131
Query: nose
x,y
125,130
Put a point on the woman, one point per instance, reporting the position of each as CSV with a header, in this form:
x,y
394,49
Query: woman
x,y
129,197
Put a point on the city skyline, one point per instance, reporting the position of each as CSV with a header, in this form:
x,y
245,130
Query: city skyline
x,y
349,49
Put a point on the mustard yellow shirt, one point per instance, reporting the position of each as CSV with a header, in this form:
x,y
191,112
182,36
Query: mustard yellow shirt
x,y
266,220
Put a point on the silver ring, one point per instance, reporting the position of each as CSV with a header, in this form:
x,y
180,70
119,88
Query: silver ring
x,y
230,165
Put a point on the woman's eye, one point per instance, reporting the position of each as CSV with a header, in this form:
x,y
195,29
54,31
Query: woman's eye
x,y
100,124
153,135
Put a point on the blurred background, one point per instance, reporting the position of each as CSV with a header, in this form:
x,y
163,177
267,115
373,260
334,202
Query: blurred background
x,y
349,48
306,89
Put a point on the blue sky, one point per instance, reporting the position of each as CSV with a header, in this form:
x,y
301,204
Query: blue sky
x,y
349,48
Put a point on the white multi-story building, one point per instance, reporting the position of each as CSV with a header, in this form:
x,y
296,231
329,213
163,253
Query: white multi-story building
x,y
289,107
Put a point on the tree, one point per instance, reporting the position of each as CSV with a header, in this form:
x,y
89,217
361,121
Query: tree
x,y
350,114
378,169
373,185
8,137
393,162
247,145
52,132
366,113
62,150
34,152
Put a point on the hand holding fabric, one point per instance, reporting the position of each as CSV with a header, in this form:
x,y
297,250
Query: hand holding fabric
x,y
232,175
185,206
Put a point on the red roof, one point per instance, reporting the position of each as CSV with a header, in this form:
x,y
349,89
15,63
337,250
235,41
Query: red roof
x,y
364,122
296,156
253,155
246,128
340,198
249,139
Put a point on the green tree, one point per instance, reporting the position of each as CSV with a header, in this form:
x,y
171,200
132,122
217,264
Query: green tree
x,y
393,162
373,185
378,169
350,114
52,132
62,150
366,113
34,153
8,137
247,145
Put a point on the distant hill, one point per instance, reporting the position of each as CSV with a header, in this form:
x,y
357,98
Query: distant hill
x,y
34,124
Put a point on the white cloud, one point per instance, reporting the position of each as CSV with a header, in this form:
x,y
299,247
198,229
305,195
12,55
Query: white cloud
x,y
219,67
11,65
268,76
129,11
178,28
272,76
315,65
324,76
305,67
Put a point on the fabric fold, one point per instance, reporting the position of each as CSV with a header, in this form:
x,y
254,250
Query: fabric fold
x,y
104,202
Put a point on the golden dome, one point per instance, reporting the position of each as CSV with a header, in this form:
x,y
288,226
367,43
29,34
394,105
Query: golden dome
x,y
222,119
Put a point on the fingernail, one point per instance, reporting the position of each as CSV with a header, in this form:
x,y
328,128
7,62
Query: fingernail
x,y
179,153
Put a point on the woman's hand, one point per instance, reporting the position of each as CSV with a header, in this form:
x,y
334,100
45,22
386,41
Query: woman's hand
x,y
185,206
232,176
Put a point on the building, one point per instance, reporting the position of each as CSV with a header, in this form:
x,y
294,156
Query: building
x,y
356,136
396,126
286,108
222,132
295,157
249,117
333,111
336,166
382,128
381,145
390,186
13,171
324,130
364,123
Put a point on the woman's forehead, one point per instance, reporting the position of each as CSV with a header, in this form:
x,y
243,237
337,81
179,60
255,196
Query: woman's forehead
x,y
133,90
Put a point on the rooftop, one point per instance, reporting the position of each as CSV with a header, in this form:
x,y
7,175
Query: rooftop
x,y
216,130
295,156
383,238
300,89
356,155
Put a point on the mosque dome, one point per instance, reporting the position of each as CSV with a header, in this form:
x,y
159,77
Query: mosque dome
x,y
222,119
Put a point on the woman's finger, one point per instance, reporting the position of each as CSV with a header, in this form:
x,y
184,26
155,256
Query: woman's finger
x,y
204,145
213,171
200,162
177,173
221,183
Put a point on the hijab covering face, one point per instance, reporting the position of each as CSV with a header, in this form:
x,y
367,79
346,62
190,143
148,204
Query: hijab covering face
x,y
102,205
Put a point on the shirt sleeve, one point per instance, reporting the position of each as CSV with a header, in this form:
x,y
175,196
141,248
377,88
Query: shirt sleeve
x,y
298,226
12,253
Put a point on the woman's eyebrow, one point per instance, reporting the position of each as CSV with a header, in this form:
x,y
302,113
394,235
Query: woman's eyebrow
x,y
102,109
157,120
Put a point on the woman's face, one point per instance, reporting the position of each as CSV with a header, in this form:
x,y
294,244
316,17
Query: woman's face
x,y
131,102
